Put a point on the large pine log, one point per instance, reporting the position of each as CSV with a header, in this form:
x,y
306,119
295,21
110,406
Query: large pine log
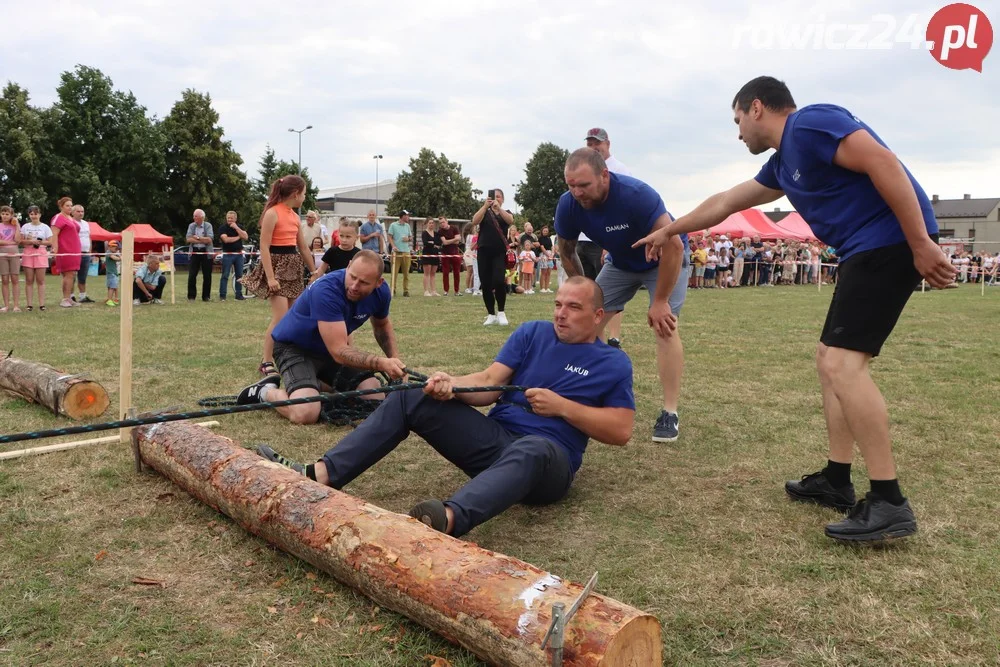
x,y
496,606
63,393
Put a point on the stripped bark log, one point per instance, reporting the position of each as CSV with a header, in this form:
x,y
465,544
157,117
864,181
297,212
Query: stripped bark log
x,y
496,606
63,393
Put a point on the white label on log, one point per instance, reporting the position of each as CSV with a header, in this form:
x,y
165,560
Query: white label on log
x,y
529,596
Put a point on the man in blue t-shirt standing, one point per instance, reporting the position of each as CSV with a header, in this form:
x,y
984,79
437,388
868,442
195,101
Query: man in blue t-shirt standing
x,y
858,197
530,445
615,211
312,345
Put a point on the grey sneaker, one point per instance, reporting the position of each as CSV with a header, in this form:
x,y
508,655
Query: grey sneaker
x,y
275,457
874,520
667,427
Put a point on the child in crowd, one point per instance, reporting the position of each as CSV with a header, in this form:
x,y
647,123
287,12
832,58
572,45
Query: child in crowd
x,y
699,258
548,263
10,259
112,270
526,260
339,256
722,269
710,263
36,237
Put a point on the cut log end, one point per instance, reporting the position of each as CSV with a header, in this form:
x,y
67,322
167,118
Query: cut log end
x,y
638,643
84,400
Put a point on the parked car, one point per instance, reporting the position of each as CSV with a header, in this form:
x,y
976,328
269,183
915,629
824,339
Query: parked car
x,y
182,255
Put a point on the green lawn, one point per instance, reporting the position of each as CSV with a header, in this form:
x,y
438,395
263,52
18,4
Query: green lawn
x,y
698,532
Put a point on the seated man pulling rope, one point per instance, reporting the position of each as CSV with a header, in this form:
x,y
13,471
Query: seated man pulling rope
x,y
312,348
530,445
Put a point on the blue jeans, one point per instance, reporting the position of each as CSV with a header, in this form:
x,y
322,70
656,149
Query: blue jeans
x,y
81,275
229,262
506,468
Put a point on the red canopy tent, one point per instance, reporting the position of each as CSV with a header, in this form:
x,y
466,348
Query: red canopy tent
x,y
98,233
796,224
148,240
750,222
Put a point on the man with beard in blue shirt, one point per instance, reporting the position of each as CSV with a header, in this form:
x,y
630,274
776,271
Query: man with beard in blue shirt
x,y
859,198
530,445
312,344
614,211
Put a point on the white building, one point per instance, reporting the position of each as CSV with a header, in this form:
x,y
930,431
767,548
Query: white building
x,y
356,200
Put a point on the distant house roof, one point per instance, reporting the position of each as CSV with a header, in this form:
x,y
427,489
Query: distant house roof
x,y
964,208
345,190
776,214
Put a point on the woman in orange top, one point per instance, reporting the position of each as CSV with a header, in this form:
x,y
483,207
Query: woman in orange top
x,y
283,252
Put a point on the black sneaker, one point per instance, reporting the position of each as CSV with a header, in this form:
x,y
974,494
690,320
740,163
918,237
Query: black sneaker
x,y
432,513
666,428
816,488
275,457
614,342
85,299
251,393
874,520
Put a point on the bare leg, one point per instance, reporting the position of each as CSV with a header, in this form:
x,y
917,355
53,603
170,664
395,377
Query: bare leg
x,y
279,306
40,281
838,433
67,285
670,367
29,282
5,280
15,286
861,407
615,325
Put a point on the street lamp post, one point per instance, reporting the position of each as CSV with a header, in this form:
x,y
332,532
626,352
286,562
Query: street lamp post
x,y
376,157
299,132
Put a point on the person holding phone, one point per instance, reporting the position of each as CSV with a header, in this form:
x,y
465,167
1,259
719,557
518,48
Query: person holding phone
x,y
36,237
494,222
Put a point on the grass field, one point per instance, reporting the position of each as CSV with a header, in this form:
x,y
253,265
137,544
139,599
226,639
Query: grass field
x,y
698,532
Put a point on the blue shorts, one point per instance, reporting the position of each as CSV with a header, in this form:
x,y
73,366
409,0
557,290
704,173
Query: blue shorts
x,y
112,281
620,286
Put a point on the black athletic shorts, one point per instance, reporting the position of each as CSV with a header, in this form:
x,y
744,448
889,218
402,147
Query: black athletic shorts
x,y
872,289
303,369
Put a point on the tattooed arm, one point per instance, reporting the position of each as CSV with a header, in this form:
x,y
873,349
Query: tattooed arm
x,y
570,260
385,336
339,346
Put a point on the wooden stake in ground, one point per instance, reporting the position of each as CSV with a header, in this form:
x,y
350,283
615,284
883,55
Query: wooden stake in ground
x,y
125,331
63,393
173,271
392,277
496,606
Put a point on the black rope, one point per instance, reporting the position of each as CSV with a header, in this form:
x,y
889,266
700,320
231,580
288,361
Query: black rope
x,y
237,409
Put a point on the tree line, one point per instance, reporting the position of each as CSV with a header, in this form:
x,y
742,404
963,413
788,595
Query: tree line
x,y
101,147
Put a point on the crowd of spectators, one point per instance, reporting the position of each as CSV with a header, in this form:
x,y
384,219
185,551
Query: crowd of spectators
x,y
443,247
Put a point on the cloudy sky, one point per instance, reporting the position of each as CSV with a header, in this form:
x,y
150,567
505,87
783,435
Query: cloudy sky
x,y
486,82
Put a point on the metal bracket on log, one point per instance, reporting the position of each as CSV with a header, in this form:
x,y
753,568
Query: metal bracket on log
x,y
560,619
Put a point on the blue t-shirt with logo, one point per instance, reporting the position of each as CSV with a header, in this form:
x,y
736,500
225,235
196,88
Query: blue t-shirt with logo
x,y
842,207
594,374
326,301
628,214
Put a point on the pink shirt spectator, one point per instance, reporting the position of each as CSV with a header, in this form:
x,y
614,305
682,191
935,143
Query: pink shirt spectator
x,y
68,257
